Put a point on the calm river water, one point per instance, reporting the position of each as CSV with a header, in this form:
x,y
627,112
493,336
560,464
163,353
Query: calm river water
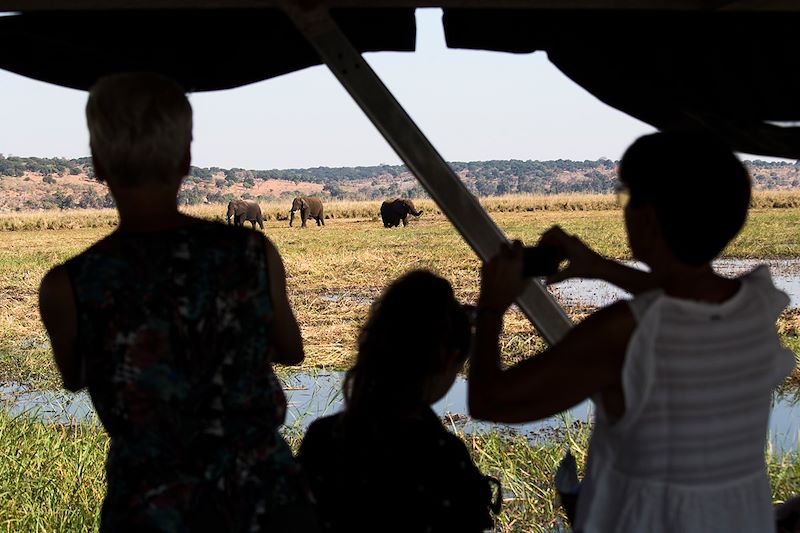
x,y
594,293
319,394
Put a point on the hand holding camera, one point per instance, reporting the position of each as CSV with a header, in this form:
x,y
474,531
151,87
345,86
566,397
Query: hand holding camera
x,y
582,261
504,276
501,279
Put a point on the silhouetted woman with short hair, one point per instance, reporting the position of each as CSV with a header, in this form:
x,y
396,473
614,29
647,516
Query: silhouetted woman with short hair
x,y
682,374
172,324
387,463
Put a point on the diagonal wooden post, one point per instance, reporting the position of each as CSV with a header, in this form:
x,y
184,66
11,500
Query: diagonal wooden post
x,y
397,127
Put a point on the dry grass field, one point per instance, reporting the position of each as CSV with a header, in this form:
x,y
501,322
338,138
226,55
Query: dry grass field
x,y
51,476
335,271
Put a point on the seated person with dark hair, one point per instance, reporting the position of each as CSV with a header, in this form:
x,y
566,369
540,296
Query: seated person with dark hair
x,y
387,463
682,375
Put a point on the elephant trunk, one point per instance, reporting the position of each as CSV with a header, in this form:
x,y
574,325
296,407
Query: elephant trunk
x,y
291,217
417,213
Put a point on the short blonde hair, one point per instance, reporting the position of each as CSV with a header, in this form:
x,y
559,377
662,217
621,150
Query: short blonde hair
x,y
140,127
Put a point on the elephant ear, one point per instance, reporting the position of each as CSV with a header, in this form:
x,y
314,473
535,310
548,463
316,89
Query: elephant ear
x,y
303,203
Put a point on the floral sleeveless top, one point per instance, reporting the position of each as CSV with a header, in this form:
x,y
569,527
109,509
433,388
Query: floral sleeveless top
x,y
174,332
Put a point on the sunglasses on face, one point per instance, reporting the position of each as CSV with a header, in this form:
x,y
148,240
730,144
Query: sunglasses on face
x,y
623,195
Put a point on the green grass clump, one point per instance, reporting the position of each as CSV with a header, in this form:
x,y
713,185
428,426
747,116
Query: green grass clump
x,y
526,471
784,475
52,477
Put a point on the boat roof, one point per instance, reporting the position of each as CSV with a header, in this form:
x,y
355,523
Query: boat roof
x,y
731,67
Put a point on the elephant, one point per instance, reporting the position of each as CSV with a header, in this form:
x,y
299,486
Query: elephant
x,y
309,207
242,210
393,211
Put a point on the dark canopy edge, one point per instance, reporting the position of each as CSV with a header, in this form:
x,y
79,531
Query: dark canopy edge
x,y
204,50
726,73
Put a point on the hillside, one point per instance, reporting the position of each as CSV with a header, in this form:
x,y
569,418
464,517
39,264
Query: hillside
x,y
37,183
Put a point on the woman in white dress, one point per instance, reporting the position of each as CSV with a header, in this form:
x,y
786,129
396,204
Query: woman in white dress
x,y
682,374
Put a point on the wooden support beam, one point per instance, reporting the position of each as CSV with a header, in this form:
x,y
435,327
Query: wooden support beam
x,y
447,190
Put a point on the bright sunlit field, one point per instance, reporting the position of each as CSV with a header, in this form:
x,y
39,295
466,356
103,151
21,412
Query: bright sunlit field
x,y
51,476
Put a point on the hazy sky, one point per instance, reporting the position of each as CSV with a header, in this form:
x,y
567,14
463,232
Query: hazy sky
x,y
472,105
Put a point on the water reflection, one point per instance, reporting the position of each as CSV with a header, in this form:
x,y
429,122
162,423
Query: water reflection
x,y
311,395
596,293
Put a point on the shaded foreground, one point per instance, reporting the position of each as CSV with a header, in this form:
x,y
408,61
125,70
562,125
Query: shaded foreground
x,y
52,476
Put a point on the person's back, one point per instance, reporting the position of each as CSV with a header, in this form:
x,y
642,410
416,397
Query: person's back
x,y
688,454
387,463
172,326
172,323
394,474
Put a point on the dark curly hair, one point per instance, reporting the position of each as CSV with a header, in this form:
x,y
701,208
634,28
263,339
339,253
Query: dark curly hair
x,y
411,332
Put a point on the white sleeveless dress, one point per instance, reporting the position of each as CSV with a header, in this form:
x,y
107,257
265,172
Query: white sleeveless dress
x,y
688,454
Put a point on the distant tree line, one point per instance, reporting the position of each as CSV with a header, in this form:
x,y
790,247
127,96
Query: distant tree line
x,y
482,178
88,199
17,166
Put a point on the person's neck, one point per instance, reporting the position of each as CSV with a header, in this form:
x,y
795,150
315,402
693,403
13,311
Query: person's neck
x,y
151,220
689,282
411,408
149,208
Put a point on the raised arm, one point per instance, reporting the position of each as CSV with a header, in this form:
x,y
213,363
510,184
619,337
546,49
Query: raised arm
x,y
583,262
58,312
586,362
288,343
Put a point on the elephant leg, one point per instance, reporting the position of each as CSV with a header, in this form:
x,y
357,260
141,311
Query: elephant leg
x,y
261,223
303,217
405,221
322,219
253,222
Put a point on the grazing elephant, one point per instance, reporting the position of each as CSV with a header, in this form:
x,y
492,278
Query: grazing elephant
x,y
309,207
393,211
242,210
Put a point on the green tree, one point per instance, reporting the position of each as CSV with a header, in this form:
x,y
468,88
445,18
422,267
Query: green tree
x,y
63,200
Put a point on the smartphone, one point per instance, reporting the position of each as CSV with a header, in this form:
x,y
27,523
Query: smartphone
x,y
538,261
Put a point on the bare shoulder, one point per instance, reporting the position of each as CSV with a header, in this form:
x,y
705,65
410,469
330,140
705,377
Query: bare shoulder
x,y
274,260
619,313
270,246
58,312
610,327
270,249
56,299
55,284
